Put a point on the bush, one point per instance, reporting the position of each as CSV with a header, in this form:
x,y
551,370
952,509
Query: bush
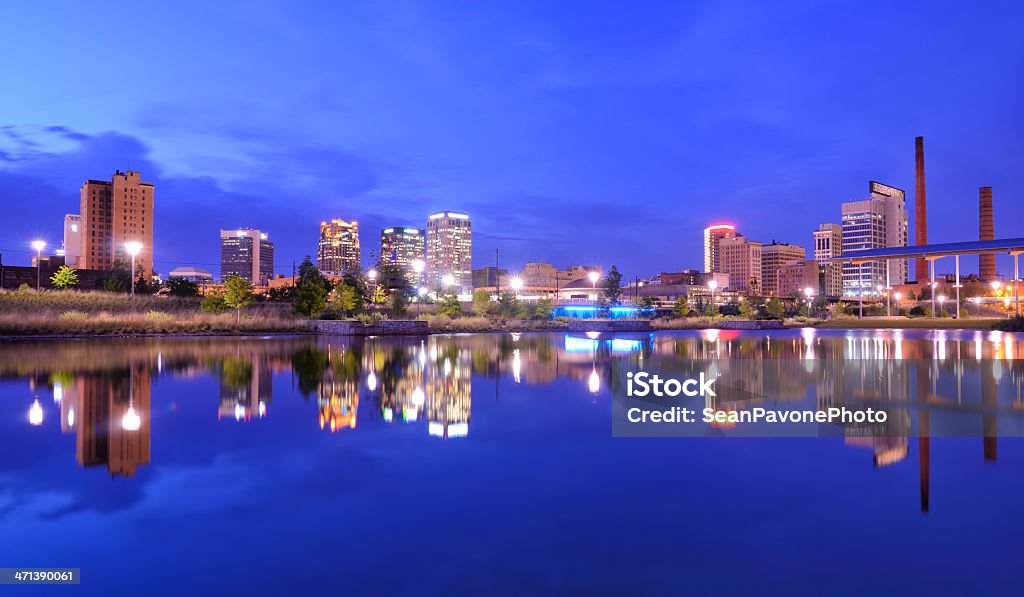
x,y
213,304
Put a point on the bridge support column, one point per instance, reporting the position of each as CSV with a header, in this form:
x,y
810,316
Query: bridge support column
x,y
957,258
931,265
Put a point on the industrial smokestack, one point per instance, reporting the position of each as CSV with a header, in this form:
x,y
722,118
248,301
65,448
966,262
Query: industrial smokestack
x,y
921,209
986,231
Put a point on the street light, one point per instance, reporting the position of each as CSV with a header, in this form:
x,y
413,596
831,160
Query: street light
x,y
372,275
38,245
448,280
810,293
516,284
133,248
942,300
418,266
35,414
419,301
712,285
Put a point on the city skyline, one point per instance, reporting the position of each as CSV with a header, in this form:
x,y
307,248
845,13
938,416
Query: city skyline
x,y
809,139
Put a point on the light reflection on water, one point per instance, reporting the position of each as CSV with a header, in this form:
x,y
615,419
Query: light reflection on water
x,y
125,406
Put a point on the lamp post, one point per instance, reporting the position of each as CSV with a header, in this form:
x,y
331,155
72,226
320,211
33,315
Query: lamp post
x,y
810,294
712,285
942,301
419,302
897,297
133,249
516,284
418,265
448,281
372,275
38,245
995,293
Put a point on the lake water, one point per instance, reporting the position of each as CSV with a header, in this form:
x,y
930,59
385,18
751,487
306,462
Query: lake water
x,y
485,463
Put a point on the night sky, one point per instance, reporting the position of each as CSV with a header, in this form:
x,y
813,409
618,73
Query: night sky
x,y
571,132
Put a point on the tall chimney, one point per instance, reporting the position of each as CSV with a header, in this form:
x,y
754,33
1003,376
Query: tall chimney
x,y
986,231
921,210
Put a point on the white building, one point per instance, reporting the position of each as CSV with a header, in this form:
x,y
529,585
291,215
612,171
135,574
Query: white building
x,y
878,222
192,274
72,239
450,251
828,244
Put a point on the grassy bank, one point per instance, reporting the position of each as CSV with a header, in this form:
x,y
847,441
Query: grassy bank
x,y
911,324
72,313
441,323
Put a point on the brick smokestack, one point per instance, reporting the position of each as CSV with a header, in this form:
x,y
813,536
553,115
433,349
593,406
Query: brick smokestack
x,y
986,231
920,210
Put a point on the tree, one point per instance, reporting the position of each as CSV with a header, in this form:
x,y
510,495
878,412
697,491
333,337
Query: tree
x,y
281,294
612,285
450,305
544,308
182,287
775,307
237,294
119,279
311,291
746,309
213,303
481,302
349,298
681,306
508,304
399,303
65,277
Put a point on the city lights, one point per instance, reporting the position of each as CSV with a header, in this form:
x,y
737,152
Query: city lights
x,y
38,245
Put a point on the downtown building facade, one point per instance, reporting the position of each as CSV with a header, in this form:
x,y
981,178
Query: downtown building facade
x,y
113,213
828,245
72,239
338,251
878,222
773,256
248,253
400,247
740,259
449,250
713,236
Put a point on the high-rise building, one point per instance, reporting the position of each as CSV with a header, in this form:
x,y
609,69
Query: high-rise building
x,y
713,235
400,247
773,256
248,253
450,250
114,213
740,258
828,244
72,239
338,251
796,277
878,222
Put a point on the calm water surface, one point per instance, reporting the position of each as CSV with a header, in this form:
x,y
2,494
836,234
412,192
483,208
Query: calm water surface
x,y
483,463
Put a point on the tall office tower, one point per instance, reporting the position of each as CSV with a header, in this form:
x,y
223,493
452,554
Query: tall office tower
x,y
920,210
400,247
774,256
986,231
248,253
877,222
114,213
828,244
72,239
713,235
450,250
338,251
741,260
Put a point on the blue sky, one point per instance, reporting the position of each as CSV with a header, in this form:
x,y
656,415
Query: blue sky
x,y
572,132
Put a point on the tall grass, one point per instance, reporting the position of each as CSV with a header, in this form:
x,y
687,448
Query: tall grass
x,y
442,323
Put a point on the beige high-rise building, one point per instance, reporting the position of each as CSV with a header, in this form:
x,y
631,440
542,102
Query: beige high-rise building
x,y
450,250
828,244
741,260
774,256
114,213
338,251
878,222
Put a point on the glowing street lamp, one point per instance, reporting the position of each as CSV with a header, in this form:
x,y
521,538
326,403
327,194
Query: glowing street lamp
x,y
372,275
516,284
448,280
133,248
809,292
942,300
38,245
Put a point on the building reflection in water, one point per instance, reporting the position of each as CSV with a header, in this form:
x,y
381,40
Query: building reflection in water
x,y
926,383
